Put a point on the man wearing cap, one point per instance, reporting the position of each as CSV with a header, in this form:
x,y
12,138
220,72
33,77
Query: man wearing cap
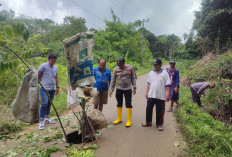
x,y
125,76
158,89
174,89
102,77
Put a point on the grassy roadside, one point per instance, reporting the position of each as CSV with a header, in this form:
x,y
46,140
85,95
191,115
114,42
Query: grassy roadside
x,y
217,69
204,135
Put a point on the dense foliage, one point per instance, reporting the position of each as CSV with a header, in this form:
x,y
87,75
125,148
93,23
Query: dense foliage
x,y
213,21
165,46
211,30
32,39
119,39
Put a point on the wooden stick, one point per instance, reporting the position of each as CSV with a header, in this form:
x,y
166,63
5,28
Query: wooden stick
x,y
76,116
65,135
85,143
92,129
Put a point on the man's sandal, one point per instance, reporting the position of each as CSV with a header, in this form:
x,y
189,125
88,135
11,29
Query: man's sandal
x,y
160,128
145,124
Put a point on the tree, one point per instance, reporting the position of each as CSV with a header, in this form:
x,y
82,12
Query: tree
x,y
213,21
192,47
120,39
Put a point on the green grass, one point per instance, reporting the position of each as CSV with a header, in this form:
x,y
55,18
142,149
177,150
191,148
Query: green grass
x,y
183,65
211,69
204,135
217,101
7,128
81,153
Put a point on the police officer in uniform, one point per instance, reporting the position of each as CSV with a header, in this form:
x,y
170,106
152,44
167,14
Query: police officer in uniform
x,y
125,76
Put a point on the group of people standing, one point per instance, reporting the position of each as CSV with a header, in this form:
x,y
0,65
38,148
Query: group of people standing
x,y
161,86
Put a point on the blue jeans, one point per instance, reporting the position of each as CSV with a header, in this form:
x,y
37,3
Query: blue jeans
x,y
45,104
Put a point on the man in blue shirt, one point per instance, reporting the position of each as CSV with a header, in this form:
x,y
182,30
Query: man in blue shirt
x,y
102,76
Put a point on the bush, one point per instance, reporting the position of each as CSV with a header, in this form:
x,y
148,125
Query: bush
x,y
9,127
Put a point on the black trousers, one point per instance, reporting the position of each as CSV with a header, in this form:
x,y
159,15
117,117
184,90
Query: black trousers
x,y
195,97
160,109
119,97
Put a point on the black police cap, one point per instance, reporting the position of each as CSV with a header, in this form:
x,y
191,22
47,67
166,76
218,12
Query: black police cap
x,y
121,60
157,61
172,62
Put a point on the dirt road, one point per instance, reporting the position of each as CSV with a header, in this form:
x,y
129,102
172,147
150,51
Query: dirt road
x,y
116,141
138,141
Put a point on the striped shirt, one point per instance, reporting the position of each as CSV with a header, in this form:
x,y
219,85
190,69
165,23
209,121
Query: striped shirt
x,y
49,74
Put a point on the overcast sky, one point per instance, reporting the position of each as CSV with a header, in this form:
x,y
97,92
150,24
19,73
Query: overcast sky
x,y
165,16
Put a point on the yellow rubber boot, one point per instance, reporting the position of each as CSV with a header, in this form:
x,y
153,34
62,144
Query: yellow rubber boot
x,y
119,116
129,113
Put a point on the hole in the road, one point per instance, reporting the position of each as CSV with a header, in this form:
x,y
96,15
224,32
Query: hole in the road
x,y
76,138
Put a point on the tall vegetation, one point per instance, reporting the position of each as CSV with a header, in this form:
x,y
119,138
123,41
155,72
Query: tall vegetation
x,y
204,135
164,46
211,30
119,39
213,22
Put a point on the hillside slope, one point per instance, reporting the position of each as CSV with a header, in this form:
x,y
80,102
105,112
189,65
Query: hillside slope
x,y
218,69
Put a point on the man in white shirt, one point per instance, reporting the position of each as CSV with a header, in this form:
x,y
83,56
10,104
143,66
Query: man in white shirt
x,y
158,89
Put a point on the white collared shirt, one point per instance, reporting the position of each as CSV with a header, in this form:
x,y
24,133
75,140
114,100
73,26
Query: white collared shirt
x,y
158,83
